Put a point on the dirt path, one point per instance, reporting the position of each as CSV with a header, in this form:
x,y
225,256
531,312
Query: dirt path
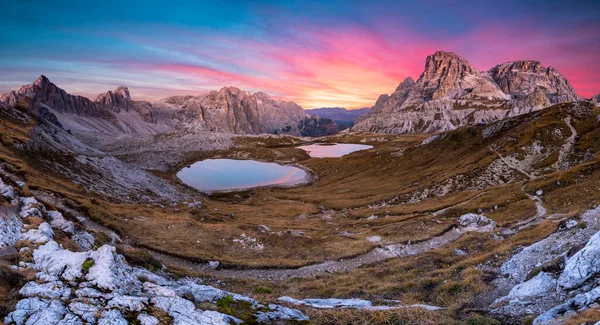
x,y
342,265
567,147
513,165
441,211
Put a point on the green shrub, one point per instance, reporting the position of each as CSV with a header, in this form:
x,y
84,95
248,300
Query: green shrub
x,y
87,265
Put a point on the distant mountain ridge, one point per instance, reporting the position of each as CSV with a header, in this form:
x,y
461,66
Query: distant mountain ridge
x,y
228,110
341,116
450,93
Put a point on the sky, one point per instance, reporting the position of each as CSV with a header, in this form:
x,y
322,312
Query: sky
x,y
339,53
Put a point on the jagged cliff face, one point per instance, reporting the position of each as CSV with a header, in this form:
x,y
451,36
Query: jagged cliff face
x,y
522,78
43,92
229,110
451,93
232,110
596,99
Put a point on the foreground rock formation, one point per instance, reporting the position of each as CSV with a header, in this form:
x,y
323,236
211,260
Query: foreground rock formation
x,y
451,93
97,286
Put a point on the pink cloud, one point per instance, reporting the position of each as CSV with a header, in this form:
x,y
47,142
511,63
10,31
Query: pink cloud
x,y
350,66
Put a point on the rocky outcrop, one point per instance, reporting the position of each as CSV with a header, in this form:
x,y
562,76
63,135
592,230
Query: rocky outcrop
x,y
521,78
118,98
547,281
596,99
447,75
450,93
99,287
231,110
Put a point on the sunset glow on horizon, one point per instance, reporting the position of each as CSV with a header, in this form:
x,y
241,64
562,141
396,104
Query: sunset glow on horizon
x,y
317,54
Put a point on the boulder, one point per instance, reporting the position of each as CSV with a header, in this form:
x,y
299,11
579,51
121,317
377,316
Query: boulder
x,y
582,266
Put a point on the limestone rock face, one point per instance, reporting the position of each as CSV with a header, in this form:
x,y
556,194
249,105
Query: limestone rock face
x,y
583,265
448,75
120,100
276,115
120,97
521,78
231,110
450,93
42,91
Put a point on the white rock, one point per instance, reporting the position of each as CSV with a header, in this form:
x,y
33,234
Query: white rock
x,y
577,303
476,222
374,239
550,248
112,317
277,312
85,311
583,265
52,262
184,312
48,290
59,221
32,311
128,303
110,272
157,290
539,192
41,235
535,287
84,239
146,319
89,293
6,191
328,303
10,230
71,319
31,207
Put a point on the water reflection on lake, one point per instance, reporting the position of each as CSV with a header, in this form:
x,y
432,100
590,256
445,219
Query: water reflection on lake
x,y
326,150
229,174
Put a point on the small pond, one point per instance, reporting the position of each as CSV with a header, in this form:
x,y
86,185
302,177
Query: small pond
x,y
332,150
212,175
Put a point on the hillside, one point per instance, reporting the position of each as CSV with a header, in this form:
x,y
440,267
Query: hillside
x,y
450,220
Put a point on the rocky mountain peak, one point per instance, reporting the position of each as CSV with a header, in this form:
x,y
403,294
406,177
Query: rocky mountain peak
x,y
123,92
520,78
43,92
442,75
41,80
406,83
451,93
262,96
119,98
231,90
446,63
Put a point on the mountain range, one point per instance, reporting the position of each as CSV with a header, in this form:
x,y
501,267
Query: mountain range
x,y
341,116
451,93
229,110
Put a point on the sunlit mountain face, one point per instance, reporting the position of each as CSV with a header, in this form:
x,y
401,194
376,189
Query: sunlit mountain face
x,y
316,53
